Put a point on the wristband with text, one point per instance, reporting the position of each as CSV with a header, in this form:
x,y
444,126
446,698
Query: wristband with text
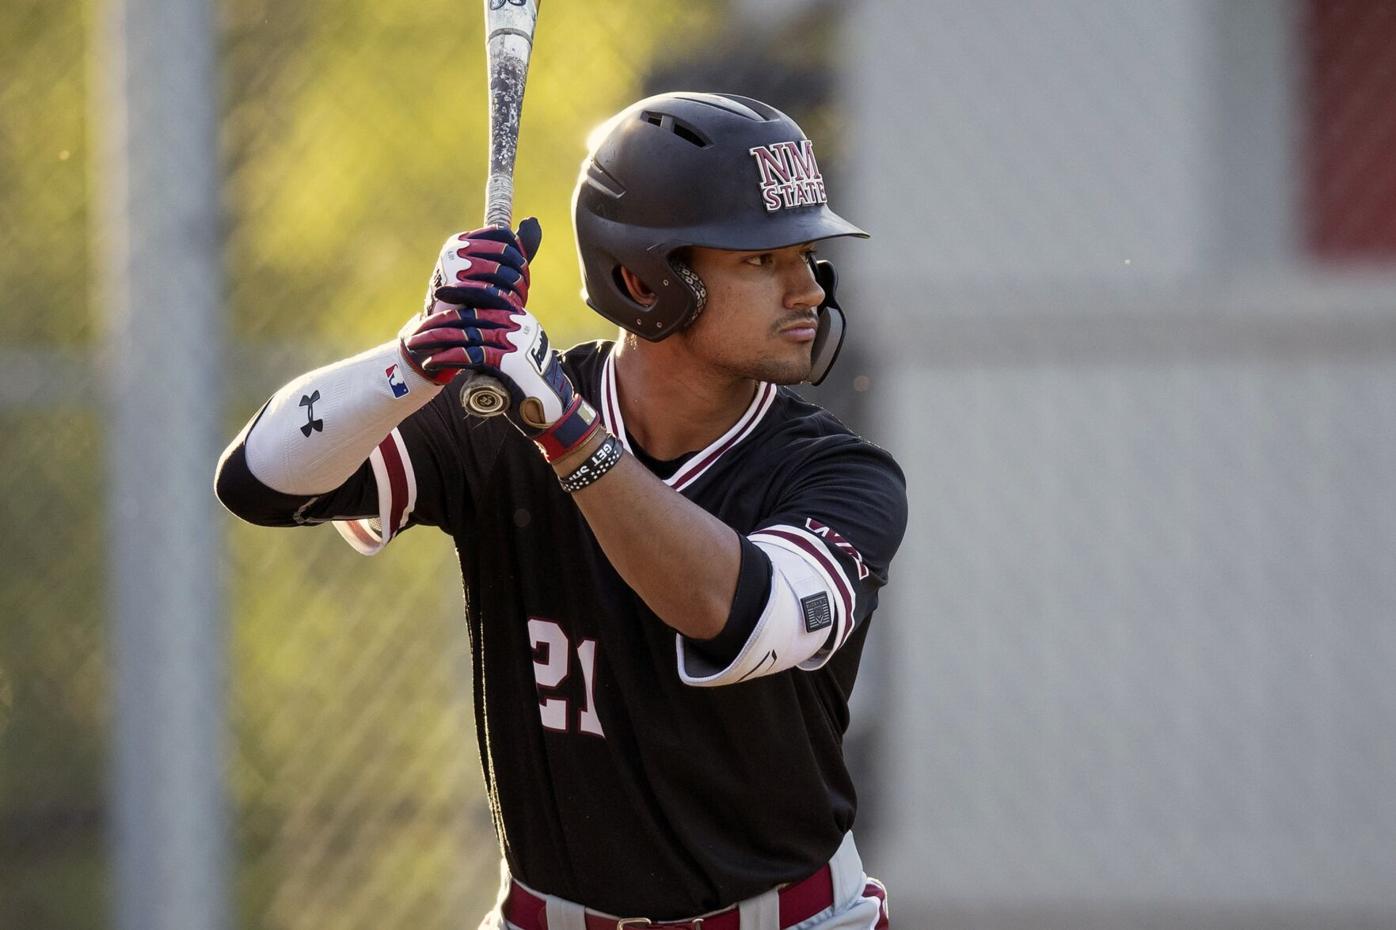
x,y
597,464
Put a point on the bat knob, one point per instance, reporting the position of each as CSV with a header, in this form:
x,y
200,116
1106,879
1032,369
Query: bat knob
x,y
483,400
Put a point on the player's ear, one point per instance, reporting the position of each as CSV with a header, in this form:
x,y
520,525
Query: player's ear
x,y
639,291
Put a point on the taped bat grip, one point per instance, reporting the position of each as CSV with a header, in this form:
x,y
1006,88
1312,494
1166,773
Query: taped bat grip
x,y
499,200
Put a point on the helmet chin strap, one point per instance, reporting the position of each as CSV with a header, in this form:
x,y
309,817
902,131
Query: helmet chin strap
x,y
828,337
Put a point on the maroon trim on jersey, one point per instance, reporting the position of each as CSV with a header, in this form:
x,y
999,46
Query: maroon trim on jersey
x,y
360,532
694,468
610,401
397,495
798,903
875,889
397,483
825,561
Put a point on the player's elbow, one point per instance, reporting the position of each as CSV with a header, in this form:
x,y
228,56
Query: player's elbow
x,y
239,491
231,484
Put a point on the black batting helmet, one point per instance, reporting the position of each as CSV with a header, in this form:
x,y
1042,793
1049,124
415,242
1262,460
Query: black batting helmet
x,y
686,169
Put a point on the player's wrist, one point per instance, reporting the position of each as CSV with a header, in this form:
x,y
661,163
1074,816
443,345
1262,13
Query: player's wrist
x,y
413,369
570,432
566,464
584,471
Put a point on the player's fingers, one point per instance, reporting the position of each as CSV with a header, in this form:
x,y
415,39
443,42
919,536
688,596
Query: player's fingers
x,y
528,238
490,233
464,357
431,339
490,272
505,253
454,316
479,296
504,278
445,316
487,302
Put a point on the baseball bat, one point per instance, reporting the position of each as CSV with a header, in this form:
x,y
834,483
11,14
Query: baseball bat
x,y
509,26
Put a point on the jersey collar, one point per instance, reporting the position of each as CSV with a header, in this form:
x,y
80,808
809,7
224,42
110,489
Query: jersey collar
x,y
694,468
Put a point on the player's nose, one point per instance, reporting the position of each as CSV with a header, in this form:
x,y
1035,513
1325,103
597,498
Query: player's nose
x,y
802,288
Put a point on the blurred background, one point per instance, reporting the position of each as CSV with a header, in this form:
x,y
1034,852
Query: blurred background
x,y
1128,321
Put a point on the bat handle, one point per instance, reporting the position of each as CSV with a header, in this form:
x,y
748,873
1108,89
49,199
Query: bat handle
x,y
483,396
499,199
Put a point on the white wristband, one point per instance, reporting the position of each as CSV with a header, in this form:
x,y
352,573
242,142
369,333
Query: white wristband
x,y
319,429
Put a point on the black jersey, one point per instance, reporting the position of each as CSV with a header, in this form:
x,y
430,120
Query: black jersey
x,y
612,782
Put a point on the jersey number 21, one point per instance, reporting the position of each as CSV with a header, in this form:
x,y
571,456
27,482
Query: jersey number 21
x,y
551,664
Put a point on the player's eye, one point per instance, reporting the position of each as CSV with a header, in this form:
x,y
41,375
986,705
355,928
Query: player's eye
x,y
761,260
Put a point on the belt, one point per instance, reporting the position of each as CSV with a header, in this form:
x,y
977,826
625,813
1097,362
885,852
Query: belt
x,y
798,903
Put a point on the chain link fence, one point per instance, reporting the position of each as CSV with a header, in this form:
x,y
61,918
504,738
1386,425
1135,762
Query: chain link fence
x,y
1137,258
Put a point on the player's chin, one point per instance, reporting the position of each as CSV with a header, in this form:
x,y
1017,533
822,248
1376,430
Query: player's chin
x,y
784,369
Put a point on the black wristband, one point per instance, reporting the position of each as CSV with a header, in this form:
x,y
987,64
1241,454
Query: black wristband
x,y
597,464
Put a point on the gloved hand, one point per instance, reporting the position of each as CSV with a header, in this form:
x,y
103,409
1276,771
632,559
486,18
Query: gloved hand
x,y
484,268
475,320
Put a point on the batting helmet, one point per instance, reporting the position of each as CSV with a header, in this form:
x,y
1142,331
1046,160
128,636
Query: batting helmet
x,y
691,169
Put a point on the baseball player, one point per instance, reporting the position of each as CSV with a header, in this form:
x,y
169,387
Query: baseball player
x,y
670,558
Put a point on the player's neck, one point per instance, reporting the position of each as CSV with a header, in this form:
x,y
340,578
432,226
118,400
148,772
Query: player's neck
x,y
671,403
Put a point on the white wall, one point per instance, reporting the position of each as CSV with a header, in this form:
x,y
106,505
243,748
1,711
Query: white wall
x,y
1140,640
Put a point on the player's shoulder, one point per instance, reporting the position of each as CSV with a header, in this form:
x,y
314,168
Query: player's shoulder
x,y
800,431
587,357
813,465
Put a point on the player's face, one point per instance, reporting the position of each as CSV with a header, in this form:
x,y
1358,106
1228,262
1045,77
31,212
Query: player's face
x,y
759,321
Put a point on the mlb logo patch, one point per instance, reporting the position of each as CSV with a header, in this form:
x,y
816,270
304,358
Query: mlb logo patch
x,y
816,611
395,381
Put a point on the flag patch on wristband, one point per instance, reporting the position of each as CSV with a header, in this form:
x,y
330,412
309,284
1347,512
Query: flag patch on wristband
x,y
816,611
395,381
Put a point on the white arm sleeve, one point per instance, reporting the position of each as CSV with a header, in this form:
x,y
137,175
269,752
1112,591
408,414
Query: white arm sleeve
x,y
793,629
317,430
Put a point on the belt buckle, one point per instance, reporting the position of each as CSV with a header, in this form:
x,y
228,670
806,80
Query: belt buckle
x,y
694,924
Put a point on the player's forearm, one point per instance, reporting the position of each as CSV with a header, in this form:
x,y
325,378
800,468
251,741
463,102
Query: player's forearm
x,y
680,559
318,429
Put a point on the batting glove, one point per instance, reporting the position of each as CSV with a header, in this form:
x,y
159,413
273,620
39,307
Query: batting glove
x,y
476,321
484,268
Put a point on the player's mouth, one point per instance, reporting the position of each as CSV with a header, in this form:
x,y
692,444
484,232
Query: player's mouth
x,y
800,330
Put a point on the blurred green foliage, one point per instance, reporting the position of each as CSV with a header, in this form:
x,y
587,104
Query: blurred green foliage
x,y
43,182
356,141
53,675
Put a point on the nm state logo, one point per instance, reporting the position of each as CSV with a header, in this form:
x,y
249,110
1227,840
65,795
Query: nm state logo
x,y
789,175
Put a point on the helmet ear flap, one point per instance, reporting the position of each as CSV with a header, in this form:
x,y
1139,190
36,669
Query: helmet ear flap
x,y
698,291
679,296
828,336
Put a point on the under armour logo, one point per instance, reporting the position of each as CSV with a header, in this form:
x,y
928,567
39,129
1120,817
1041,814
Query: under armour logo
x,y
311,423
